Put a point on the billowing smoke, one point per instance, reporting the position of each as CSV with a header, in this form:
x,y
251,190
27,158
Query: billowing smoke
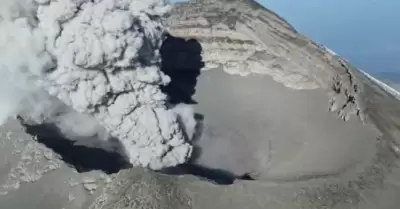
x,y
91,67
22,55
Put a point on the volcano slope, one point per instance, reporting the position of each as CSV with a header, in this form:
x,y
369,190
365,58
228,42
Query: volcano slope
x,y
309,128
275,105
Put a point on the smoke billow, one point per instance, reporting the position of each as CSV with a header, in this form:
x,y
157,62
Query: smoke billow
x,y
91,67
22,56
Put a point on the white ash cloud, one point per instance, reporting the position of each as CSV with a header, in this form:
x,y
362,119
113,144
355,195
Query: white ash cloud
x,y
80,128
100,58
22,55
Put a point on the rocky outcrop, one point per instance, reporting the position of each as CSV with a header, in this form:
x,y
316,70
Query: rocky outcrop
x,y
245,38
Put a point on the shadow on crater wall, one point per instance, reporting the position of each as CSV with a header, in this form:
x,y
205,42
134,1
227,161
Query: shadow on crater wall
x,y
82,158
182,62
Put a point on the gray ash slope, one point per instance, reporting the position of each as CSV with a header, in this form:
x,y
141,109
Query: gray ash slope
x,y
266,83
246,40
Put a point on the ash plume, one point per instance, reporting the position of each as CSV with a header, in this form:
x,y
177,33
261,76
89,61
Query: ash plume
x,y
91,67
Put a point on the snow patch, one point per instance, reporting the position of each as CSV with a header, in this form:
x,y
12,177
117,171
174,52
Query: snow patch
x,y
387,88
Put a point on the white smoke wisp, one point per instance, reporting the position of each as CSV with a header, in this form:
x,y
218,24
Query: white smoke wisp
x,y
100,58
80,128
186,118
22,56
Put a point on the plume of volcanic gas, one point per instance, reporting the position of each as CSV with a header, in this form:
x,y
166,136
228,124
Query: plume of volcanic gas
x,y
100,58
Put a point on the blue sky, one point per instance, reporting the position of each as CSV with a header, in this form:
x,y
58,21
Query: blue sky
x,y
366,32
